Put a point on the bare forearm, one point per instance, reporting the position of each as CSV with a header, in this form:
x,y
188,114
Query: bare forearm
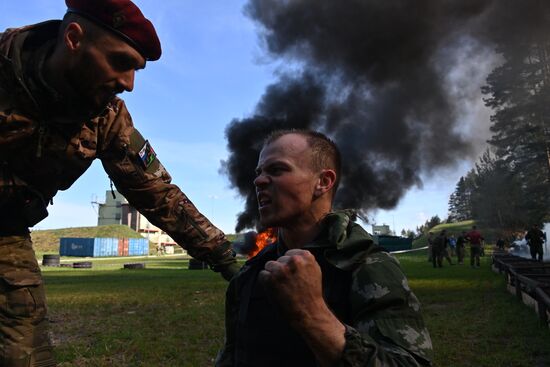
x,y
323,333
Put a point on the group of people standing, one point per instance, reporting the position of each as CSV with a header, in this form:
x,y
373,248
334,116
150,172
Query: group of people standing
x,y
444,246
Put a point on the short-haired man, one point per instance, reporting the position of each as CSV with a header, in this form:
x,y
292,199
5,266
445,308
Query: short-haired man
x,y
323,294
58,112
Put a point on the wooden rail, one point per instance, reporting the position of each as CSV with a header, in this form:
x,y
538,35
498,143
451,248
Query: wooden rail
x,y
529,277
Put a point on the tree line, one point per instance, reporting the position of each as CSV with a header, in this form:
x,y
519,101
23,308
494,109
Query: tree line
x,y
509,186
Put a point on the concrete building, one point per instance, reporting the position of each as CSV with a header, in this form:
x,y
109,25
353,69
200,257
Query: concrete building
x,y
383,230
117,210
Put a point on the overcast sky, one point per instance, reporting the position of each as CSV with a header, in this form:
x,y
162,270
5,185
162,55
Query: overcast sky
x,y
213,69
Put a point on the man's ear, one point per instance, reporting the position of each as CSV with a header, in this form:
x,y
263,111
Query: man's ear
x,y
327,179
73,36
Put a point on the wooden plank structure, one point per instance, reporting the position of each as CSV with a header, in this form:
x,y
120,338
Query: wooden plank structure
x,y
528,279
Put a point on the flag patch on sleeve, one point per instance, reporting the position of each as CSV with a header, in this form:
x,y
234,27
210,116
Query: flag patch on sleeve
x,y
147,155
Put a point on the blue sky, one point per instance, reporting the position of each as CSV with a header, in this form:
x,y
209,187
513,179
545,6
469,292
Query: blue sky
x,y
213,69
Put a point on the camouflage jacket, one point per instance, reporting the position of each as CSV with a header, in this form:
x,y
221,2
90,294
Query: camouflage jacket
x,y
43,154
364,287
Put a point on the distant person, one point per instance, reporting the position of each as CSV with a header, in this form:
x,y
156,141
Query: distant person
x,y
476,243
500,243
59,111
460,247
452,245
430,241
446,253
324,294
438,249
535,239
160,249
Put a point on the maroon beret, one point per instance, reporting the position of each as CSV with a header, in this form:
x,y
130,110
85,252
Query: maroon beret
x,y
125,19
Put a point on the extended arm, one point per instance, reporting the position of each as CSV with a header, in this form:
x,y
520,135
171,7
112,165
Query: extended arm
x,y
138,174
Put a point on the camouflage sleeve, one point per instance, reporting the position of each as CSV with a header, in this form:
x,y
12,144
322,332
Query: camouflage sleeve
x,y
387,328
132,165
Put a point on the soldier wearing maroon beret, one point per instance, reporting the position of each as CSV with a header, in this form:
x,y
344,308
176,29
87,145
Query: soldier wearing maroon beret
x,y
59,111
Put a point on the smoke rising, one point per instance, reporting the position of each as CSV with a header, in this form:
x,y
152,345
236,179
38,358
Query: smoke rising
x,y
390,81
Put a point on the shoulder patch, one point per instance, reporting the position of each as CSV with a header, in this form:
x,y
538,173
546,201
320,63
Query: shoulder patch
x,y
147,155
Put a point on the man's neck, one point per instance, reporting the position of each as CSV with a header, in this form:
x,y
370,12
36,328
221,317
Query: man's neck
x,y
303,233
52,73
298,238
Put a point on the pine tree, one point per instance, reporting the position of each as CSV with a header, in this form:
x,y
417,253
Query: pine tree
x,y
519,93
459,202
496,197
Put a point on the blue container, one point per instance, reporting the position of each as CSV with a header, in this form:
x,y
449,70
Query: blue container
x,y
88,247
82,247
105,247
138,246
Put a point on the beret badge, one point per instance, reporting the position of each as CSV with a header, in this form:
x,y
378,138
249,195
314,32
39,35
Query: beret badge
x,y
118,19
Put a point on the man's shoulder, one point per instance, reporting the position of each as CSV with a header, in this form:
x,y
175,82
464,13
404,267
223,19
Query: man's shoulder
x,y
381,268
380,259
47,29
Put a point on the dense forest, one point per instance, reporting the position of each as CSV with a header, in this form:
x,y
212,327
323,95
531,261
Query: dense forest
x,y
509,186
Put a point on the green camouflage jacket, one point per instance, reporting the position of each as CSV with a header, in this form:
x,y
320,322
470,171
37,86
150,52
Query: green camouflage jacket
x,y
384,326
44,154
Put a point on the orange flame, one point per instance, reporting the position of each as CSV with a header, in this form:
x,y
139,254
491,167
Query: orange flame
x,y
262,240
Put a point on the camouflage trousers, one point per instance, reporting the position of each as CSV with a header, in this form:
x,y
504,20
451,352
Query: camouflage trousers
x,y
24,340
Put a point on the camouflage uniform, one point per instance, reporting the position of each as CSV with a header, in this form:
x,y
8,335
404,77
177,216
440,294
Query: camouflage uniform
x,y
42,152
438,250
364,287
23,325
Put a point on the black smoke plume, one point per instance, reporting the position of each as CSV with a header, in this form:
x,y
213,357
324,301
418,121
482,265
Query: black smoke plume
x,y
387,80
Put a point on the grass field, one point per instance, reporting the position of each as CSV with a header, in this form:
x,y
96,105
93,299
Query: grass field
x,y
166,315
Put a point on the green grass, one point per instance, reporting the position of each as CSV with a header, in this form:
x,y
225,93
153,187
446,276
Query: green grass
x,y
160,316
167,315
472,319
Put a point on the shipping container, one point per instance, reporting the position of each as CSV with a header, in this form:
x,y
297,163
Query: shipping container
x,y
91,247
138,246
394,243
106,247
122,247
83,247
